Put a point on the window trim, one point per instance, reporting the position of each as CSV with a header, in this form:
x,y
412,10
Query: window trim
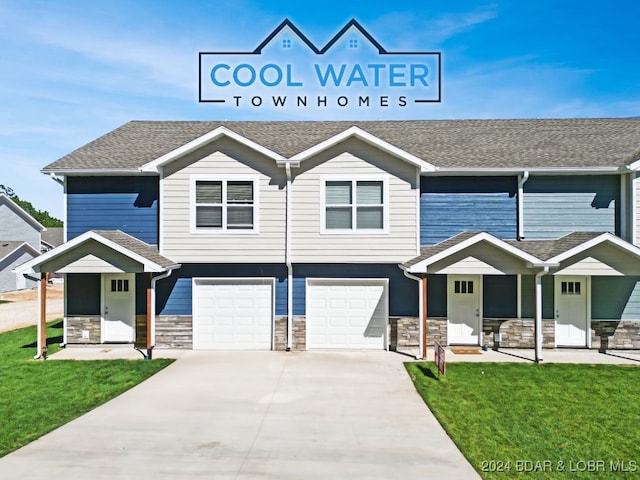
x,y
354,179
194,229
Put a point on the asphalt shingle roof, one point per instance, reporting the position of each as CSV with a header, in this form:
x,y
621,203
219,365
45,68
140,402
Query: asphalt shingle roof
x,y
541,249
565,143
7,247
54,236
137,246
546,249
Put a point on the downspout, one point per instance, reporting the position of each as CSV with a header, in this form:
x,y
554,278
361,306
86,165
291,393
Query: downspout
x,y
421,320
522,179
288,260
153,309
538,314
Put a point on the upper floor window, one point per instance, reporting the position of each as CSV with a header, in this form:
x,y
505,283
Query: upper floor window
x,y
225,205
354,205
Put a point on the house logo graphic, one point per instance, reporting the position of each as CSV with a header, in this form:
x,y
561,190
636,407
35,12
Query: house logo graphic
x,y
288,72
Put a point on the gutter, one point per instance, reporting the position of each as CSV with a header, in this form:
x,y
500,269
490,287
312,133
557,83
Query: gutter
x,y
537,170
288,260
522,179
56,179
96,171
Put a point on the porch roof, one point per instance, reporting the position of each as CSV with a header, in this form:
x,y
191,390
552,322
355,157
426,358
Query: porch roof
x,y
467,250
589,253
95,249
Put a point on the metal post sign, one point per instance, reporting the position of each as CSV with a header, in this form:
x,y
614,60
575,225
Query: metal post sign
x,y
352,72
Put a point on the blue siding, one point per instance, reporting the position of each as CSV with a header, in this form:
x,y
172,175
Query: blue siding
x,y
177,301
299,292
557,205
174,294
500,296
528,296
403,292
83,294
281,296
451,205
129,204
615,298
436,295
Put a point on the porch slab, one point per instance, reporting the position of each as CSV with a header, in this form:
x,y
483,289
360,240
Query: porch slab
x,y
556,355
110,352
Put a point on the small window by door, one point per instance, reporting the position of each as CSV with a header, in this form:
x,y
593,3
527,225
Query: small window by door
x,y
570,288
463,286
120,285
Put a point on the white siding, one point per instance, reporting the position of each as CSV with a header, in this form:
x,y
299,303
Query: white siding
x,y
481,258
90,264
10,281
590,266
351,160
601,260
635,213
225,157
471,265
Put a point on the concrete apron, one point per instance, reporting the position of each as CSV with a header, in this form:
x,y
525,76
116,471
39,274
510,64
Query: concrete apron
x,y
219,415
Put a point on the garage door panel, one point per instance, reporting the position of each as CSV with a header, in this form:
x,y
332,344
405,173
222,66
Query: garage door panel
x,y
233,315
344,314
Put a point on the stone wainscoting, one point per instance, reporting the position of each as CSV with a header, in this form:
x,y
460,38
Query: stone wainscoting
x,y
516,333
404,335
89,325
174,331
298,337
618,334
436,330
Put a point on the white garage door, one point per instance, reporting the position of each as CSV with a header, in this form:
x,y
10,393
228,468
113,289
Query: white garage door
x,y
232,314
346,313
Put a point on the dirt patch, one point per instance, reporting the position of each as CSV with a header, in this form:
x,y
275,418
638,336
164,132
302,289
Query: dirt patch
x,y
23,309
54,291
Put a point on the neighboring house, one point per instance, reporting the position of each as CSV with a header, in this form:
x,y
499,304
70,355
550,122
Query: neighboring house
x,y
19,242
52,237
365,235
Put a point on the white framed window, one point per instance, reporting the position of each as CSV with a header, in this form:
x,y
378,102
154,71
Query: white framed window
x,y
463,286
570,288
354,205
224,204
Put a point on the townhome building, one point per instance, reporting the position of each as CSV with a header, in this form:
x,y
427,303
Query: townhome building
x,y
20,241
352,235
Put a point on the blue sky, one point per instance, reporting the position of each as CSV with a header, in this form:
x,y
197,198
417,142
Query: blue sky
x,y
71,70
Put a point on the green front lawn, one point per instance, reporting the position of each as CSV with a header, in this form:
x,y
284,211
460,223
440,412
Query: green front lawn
x,y
38,396
538,421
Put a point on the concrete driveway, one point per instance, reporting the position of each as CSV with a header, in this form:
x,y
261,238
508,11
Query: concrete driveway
x,y
215,415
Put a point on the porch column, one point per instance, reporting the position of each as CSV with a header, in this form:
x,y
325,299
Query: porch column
x,y
149,315
424,317
42,317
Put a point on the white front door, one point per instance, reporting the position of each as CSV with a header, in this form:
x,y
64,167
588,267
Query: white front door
x,y
571,296
464,309
119,297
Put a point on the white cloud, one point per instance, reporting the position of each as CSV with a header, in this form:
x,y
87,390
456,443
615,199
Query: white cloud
x,y
408,30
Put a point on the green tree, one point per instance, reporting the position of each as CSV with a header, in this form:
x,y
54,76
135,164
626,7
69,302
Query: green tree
x,y
41,216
